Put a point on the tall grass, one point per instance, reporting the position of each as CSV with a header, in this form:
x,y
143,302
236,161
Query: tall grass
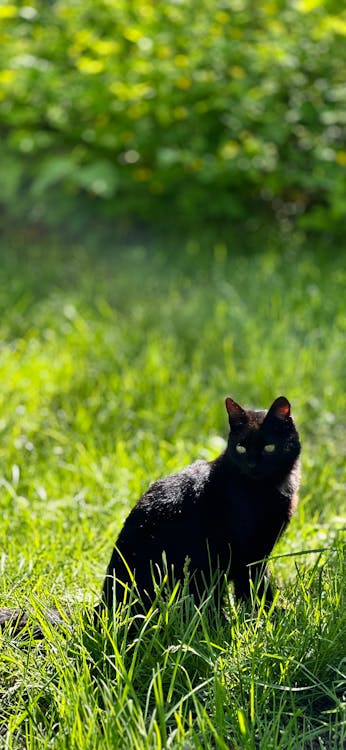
x,y
114,367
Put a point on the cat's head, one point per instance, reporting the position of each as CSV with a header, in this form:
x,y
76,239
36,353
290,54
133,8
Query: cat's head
x,y
262,444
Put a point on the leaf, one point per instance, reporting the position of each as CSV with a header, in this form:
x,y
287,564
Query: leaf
x,y
100,178
53,170
8,11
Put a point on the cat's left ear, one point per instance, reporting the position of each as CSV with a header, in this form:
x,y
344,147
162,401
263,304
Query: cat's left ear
x,y
236,414
281,408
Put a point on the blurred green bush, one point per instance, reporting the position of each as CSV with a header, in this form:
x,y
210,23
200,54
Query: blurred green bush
x,y
185,112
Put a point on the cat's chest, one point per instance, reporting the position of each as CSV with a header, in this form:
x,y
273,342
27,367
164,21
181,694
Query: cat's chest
x,y
250,511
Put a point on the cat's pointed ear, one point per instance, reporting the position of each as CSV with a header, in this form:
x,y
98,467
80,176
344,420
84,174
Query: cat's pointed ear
x,y
281,408
236,413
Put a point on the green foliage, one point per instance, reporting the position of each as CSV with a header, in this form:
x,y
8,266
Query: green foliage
x,y
176,113
113,372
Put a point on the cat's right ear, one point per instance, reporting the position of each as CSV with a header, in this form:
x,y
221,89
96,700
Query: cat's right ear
x,y
281,408
236,414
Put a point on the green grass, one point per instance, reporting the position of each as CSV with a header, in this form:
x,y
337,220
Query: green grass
x,y
114,368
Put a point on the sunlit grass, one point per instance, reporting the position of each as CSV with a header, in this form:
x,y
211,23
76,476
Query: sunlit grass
x,y
114,369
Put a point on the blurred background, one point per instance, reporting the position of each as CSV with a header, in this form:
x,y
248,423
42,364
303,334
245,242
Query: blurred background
x,y
135,118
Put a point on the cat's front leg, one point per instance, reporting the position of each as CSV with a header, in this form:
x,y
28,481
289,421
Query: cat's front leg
x,y
253,582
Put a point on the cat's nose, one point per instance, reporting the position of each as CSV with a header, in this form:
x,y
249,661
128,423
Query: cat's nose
x,y
252,468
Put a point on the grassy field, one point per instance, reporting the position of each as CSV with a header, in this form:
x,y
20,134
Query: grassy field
x,y
114,368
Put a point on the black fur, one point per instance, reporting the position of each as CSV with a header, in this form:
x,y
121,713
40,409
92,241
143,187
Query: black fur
x,y
216,517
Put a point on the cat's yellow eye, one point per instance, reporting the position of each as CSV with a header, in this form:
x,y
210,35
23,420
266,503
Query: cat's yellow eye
x,y
270,448
240,448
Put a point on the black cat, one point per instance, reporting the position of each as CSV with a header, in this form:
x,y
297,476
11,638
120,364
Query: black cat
x,y
219,519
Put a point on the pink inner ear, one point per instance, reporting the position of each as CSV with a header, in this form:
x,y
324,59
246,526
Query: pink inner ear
x,y
232,407
284,410
282,407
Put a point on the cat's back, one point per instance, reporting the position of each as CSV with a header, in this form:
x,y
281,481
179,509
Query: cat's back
x,y
185,487
171,513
